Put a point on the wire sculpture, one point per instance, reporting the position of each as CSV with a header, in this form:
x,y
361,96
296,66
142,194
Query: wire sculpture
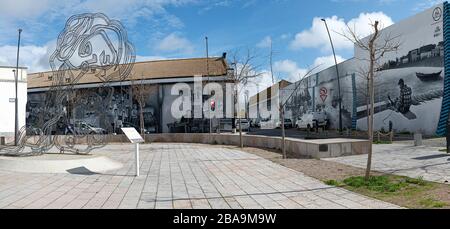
x,y
91,45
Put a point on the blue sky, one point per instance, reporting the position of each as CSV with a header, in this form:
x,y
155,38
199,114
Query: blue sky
x,y
176,28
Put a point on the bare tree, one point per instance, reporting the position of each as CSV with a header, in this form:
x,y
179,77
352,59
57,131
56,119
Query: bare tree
x,y
377,45
283,105
246,68
271,62
141,92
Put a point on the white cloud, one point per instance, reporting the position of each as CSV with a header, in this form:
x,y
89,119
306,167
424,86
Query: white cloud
x,y
289,70
33,57
265,43
149,58
317,36
36,16
175,43
325,62
259,84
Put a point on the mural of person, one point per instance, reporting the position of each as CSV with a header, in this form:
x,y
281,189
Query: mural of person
x,y
403,103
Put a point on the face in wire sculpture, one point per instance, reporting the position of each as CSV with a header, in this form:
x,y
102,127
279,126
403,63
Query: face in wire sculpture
x,y
91,45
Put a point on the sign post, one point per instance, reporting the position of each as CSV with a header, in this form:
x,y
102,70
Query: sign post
x,y
135,138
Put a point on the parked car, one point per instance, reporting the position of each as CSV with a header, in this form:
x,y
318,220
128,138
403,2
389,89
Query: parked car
x,y
84,129
244,123
255,123
288,123
312,120
226,124
147,130
268,124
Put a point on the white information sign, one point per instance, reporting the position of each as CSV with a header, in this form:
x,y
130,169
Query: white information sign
x,y
135,138
133,135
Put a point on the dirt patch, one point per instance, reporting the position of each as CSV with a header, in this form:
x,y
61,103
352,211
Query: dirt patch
x,y
321,170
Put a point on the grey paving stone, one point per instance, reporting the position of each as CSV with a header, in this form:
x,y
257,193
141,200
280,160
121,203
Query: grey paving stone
x,y
180,176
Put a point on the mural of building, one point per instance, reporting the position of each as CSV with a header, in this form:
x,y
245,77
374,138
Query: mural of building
x,y
409,83
7,102
148,89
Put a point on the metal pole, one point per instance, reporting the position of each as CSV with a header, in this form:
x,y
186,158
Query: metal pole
x,y
16,118
207,72
137,159
338,78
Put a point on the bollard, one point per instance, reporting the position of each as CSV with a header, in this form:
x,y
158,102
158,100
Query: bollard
x,y
418,139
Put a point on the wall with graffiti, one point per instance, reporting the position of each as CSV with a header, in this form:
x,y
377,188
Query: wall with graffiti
x,y
83,110
319,93
409,82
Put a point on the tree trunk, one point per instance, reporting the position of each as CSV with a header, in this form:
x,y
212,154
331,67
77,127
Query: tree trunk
x,y
372,98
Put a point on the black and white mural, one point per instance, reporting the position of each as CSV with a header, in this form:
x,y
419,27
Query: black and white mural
x,y
409,83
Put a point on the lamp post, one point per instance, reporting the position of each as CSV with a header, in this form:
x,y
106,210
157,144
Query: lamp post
x,y
207,72
16,118
338,78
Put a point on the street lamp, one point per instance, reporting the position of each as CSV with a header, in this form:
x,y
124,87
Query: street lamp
x,y
16,118
338,78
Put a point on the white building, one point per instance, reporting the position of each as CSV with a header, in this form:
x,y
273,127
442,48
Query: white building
x,y
7,95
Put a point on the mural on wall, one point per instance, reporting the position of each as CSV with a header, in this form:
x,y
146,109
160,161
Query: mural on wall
x,y
318,93
409,82
122,111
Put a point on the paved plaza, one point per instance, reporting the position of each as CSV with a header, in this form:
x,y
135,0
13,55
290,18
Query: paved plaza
x,y
405,160
180,176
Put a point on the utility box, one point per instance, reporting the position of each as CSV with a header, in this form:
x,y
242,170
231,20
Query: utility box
x,y
418,141
2,141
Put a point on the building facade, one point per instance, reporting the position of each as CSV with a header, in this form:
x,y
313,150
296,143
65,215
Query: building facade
x,y
149,90
7,100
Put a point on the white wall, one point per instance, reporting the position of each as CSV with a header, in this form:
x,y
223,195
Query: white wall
x,y
7,91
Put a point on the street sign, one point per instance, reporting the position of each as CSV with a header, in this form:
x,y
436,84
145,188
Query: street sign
x,y
135,138
12,100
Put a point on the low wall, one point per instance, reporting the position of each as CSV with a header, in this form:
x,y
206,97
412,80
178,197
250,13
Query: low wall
x,y
295,148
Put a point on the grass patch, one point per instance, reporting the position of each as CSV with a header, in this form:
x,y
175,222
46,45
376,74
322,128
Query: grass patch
x,y
418,181
443,150
382,184
333,183
411,192
432,203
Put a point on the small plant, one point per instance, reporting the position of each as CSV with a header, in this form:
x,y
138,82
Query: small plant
x,y
417,181
332,183
432,203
